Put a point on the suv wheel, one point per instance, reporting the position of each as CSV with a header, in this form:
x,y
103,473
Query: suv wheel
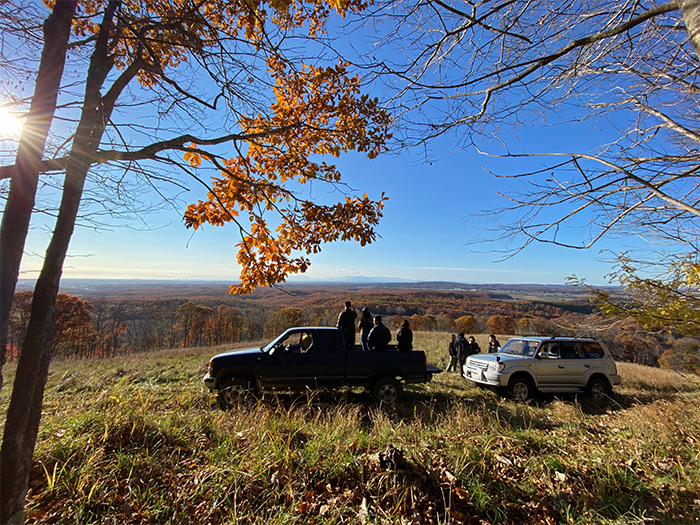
x,y
598,389
520,388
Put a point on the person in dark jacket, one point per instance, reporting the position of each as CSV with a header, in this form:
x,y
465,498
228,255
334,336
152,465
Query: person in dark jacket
x,y
379,337
366,324
346,323
494,345
404,338
462,349
452,350
472,346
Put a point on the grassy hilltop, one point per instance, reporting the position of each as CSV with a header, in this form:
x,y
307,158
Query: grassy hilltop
x,y
139,440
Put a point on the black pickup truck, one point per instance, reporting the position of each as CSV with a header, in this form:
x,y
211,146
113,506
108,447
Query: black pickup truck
x,y
314,357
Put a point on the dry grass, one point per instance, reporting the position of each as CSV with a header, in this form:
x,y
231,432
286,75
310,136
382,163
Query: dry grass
x,y
139,440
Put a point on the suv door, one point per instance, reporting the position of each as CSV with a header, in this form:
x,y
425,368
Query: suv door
x,y
549,367
588,355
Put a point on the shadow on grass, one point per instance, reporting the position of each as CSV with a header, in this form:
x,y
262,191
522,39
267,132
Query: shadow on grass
x,y
433,400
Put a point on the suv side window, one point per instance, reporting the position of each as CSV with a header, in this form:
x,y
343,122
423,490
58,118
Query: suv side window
x,y
568,350
591,350
552,349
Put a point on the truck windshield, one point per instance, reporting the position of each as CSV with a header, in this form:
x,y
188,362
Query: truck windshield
x,y
271,345
519,347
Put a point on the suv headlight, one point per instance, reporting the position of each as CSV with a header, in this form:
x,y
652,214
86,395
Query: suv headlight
x,y
497,367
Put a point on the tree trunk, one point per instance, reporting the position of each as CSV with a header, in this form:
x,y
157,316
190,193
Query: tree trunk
x,y
691,16
24,412
20,200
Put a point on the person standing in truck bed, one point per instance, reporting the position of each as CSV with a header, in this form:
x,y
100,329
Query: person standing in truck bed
x,y
365,325
404,338
346,323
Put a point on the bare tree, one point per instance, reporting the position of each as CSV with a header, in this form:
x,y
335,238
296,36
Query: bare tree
x,y
489,67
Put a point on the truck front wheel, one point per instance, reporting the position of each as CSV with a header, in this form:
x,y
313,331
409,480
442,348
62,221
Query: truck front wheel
x,y
232,391
387,391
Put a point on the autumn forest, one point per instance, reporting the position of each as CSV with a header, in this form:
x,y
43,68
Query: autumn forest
x,y
104,322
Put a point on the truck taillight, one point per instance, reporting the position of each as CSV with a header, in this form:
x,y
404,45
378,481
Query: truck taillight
x,y
425,359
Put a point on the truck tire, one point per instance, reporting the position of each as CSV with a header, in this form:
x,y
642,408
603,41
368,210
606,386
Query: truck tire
x,y
598,389
521,388
232,391
387,391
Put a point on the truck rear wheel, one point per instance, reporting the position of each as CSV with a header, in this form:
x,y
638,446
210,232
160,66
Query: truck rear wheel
x,y
232,391
387,391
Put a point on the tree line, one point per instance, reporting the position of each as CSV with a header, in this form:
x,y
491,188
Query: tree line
x,y
105,328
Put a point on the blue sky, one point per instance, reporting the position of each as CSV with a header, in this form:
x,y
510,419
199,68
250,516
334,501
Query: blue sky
x,y
423,235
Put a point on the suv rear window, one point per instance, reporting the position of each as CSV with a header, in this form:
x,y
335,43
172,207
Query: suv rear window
x,y
591,350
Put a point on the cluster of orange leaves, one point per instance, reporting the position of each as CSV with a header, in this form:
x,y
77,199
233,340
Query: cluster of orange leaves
x,y
317,112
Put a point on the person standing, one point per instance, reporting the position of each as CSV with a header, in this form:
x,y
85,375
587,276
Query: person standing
x,y
494,345
379,337
346,323
404,338
452,350
472,346
366,324
462,348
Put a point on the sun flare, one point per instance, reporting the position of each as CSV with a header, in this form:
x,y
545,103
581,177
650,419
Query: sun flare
x,y
10,123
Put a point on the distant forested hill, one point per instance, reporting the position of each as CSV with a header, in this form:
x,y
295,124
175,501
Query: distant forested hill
x,y
122,316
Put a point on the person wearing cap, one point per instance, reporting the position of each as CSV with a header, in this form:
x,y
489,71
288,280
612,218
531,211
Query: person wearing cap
x,y
365,326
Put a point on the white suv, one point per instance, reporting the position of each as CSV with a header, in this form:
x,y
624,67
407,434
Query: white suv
x,y
525,365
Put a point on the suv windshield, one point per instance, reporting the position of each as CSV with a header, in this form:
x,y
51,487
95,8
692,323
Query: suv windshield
x,y
519,347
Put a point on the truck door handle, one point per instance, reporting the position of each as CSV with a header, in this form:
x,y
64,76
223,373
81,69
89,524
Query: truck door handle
x,y
561,366
587,366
